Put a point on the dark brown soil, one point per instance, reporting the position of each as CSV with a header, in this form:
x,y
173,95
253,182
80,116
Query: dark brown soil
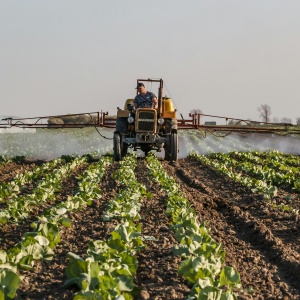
x,y
10,170
261,242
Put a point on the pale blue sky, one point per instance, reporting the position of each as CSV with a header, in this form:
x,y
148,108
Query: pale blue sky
x,y
225,57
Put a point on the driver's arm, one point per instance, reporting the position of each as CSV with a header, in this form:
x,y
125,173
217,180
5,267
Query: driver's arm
x,y
155,101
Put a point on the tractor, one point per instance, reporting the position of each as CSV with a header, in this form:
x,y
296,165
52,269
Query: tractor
x,y
147,128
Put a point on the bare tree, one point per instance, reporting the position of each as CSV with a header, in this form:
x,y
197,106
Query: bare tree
x,y
286,120
264,112
298,121
196,111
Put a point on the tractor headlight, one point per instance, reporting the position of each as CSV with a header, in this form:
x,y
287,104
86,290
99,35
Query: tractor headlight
x,y
130,119
160,121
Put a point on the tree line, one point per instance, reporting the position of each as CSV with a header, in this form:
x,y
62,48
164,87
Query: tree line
x,y
73,119
265,114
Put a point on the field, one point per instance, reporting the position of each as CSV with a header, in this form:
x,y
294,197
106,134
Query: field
x,y
237,229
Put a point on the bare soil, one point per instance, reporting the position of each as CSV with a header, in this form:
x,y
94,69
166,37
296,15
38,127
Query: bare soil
x,y
261,242
9,170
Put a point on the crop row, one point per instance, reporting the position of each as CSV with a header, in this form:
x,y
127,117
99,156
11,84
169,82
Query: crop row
x,y
272,175
14,187
107,270
19,207
41,242
202,257
259,174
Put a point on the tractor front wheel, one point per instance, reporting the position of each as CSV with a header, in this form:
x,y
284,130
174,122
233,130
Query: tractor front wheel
x,y
124,149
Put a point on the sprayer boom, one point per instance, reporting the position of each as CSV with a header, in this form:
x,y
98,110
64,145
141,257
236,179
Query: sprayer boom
x,y
103,119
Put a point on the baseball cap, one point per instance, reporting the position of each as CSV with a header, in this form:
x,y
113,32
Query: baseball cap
x,y
139,85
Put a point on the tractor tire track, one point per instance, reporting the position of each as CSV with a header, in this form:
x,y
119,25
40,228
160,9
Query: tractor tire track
x,y
157,272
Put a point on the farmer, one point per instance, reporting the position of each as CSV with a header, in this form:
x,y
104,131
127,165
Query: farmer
x,y
144,98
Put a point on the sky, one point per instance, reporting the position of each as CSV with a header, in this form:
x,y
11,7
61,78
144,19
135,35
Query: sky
x,y
224,57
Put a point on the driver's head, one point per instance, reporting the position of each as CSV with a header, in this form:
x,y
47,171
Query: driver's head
x,y
141,88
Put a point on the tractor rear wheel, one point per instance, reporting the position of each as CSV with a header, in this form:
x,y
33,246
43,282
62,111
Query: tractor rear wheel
x,y
171,125
174,146
117,147
167,150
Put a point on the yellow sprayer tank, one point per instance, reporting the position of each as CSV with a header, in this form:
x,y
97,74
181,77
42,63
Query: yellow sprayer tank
x,y
167,104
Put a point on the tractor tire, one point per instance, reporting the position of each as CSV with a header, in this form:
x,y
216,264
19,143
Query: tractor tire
x,y
117,147
171,125
167,150
174,146
124,150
